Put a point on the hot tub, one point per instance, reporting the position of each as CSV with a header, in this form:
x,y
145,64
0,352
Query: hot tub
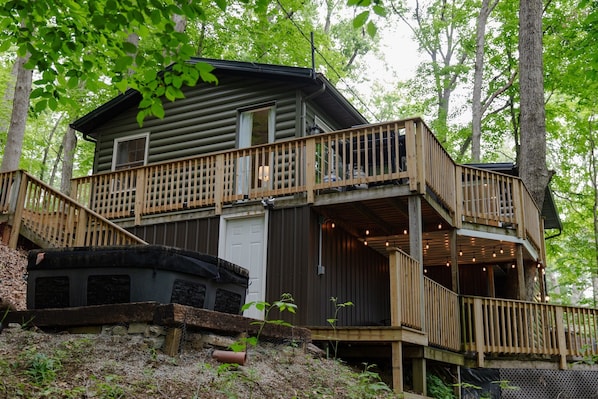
x,y
70,277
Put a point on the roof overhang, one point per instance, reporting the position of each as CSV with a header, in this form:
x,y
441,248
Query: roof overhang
x,y
323,91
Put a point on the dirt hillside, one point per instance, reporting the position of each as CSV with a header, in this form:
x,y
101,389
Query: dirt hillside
x,y
110,365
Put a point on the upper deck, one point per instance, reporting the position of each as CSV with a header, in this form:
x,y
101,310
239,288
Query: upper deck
x,y
391,160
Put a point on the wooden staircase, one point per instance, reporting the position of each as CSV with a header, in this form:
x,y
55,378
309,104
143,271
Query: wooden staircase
x,y
32,209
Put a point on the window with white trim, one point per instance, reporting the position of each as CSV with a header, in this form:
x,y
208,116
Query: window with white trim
x,y
130,152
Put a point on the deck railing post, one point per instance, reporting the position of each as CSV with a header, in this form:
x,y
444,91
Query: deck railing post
x,y
395,287
81,228
478,323
422,156
560,337
17,204
219,186
310,169
140,184
458,216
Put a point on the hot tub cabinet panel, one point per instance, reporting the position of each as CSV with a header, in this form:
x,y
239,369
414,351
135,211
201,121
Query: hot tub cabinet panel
x,y
72,277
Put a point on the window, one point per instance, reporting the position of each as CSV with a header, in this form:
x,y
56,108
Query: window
x,y
130,152
256,127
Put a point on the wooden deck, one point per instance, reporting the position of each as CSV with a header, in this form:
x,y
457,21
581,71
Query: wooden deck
x,y
402,152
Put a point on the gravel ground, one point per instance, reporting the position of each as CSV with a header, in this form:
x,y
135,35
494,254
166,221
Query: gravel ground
x,y
13,286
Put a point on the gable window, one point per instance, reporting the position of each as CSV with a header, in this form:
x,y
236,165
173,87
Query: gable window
x,y
130,152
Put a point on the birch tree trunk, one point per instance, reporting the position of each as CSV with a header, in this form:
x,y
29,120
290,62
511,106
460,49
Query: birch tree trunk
x,y
18,118
69,143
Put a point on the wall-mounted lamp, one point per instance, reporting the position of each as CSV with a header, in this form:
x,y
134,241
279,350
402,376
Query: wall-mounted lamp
x,y
263,173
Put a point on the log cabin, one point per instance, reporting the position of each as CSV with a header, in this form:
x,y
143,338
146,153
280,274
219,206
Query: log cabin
x,y
274,170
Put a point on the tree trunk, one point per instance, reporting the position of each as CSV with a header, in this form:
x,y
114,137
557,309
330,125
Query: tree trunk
x,y
532,161
476,107
42,173
69,143
18,119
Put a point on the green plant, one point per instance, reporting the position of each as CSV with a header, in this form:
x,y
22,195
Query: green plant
x,y
41,368
334,320
285,303
110,388
369,384
438,389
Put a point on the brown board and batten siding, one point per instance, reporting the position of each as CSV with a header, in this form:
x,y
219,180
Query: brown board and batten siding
x,y
206,120
200,235
353,272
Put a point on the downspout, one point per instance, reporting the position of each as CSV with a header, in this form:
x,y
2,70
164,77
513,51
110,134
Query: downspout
x,y
317,93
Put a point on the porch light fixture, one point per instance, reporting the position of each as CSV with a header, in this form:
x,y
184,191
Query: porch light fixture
x,y
263,173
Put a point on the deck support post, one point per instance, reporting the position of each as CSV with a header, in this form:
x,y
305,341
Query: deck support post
x,y
397,366
419,375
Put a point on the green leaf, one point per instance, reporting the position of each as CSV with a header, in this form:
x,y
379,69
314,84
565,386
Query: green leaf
x,y
221,4
360,19
379,10
371,29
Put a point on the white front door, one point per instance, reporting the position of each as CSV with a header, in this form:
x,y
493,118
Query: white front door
x,y
244,245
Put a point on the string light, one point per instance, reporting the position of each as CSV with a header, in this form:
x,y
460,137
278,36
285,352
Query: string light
x,y
473,259
332,225
501,251
439,226
427,244
484,269
405,231
493,253
513,266
367,232
460,251
387,243
448,263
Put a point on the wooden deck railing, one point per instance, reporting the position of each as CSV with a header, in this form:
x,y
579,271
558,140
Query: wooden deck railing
x,y
442,316
403,152
499,326
55,218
